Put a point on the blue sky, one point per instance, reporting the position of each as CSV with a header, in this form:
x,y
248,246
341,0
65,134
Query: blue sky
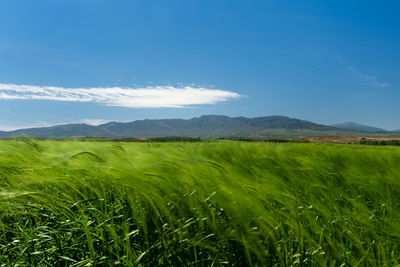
x,y
92,61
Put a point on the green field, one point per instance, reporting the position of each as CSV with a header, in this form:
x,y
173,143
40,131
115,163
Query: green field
x,y
209,203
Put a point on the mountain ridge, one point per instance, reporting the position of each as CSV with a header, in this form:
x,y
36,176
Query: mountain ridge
x,y
203,126
358,127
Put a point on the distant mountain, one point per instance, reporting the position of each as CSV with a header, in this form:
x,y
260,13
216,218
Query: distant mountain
x,y
204,126
68,130
209,125
358,127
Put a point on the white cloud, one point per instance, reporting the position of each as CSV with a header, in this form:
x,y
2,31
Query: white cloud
x,y
94,122
382,85
371,79
145,97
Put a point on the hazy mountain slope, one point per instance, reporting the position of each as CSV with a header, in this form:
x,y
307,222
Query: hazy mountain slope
x,y
358,127
60,131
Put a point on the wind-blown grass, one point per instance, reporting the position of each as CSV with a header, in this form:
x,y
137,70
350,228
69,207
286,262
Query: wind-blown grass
x,y
220,203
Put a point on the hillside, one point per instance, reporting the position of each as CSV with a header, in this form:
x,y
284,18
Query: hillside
x,y
358,127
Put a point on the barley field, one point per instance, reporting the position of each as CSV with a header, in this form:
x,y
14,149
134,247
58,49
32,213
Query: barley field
x,y
225,203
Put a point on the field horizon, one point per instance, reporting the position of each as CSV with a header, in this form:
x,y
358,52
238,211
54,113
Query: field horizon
x,y
199,133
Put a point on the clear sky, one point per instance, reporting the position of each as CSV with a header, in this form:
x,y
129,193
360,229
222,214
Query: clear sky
x,y
92,61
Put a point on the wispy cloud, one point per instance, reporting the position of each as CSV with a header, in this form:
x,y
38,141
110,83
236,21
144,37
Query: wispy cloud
x,y
371,79
25,126
382,85
94,122
145,97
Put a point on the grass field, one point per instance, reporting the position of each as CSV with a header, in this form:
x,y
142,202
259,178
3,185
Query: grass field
x,y
219,203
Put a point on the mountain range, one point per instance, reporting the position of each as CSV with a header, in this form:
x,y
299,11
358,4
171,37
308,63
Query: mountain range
x,y
204,126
